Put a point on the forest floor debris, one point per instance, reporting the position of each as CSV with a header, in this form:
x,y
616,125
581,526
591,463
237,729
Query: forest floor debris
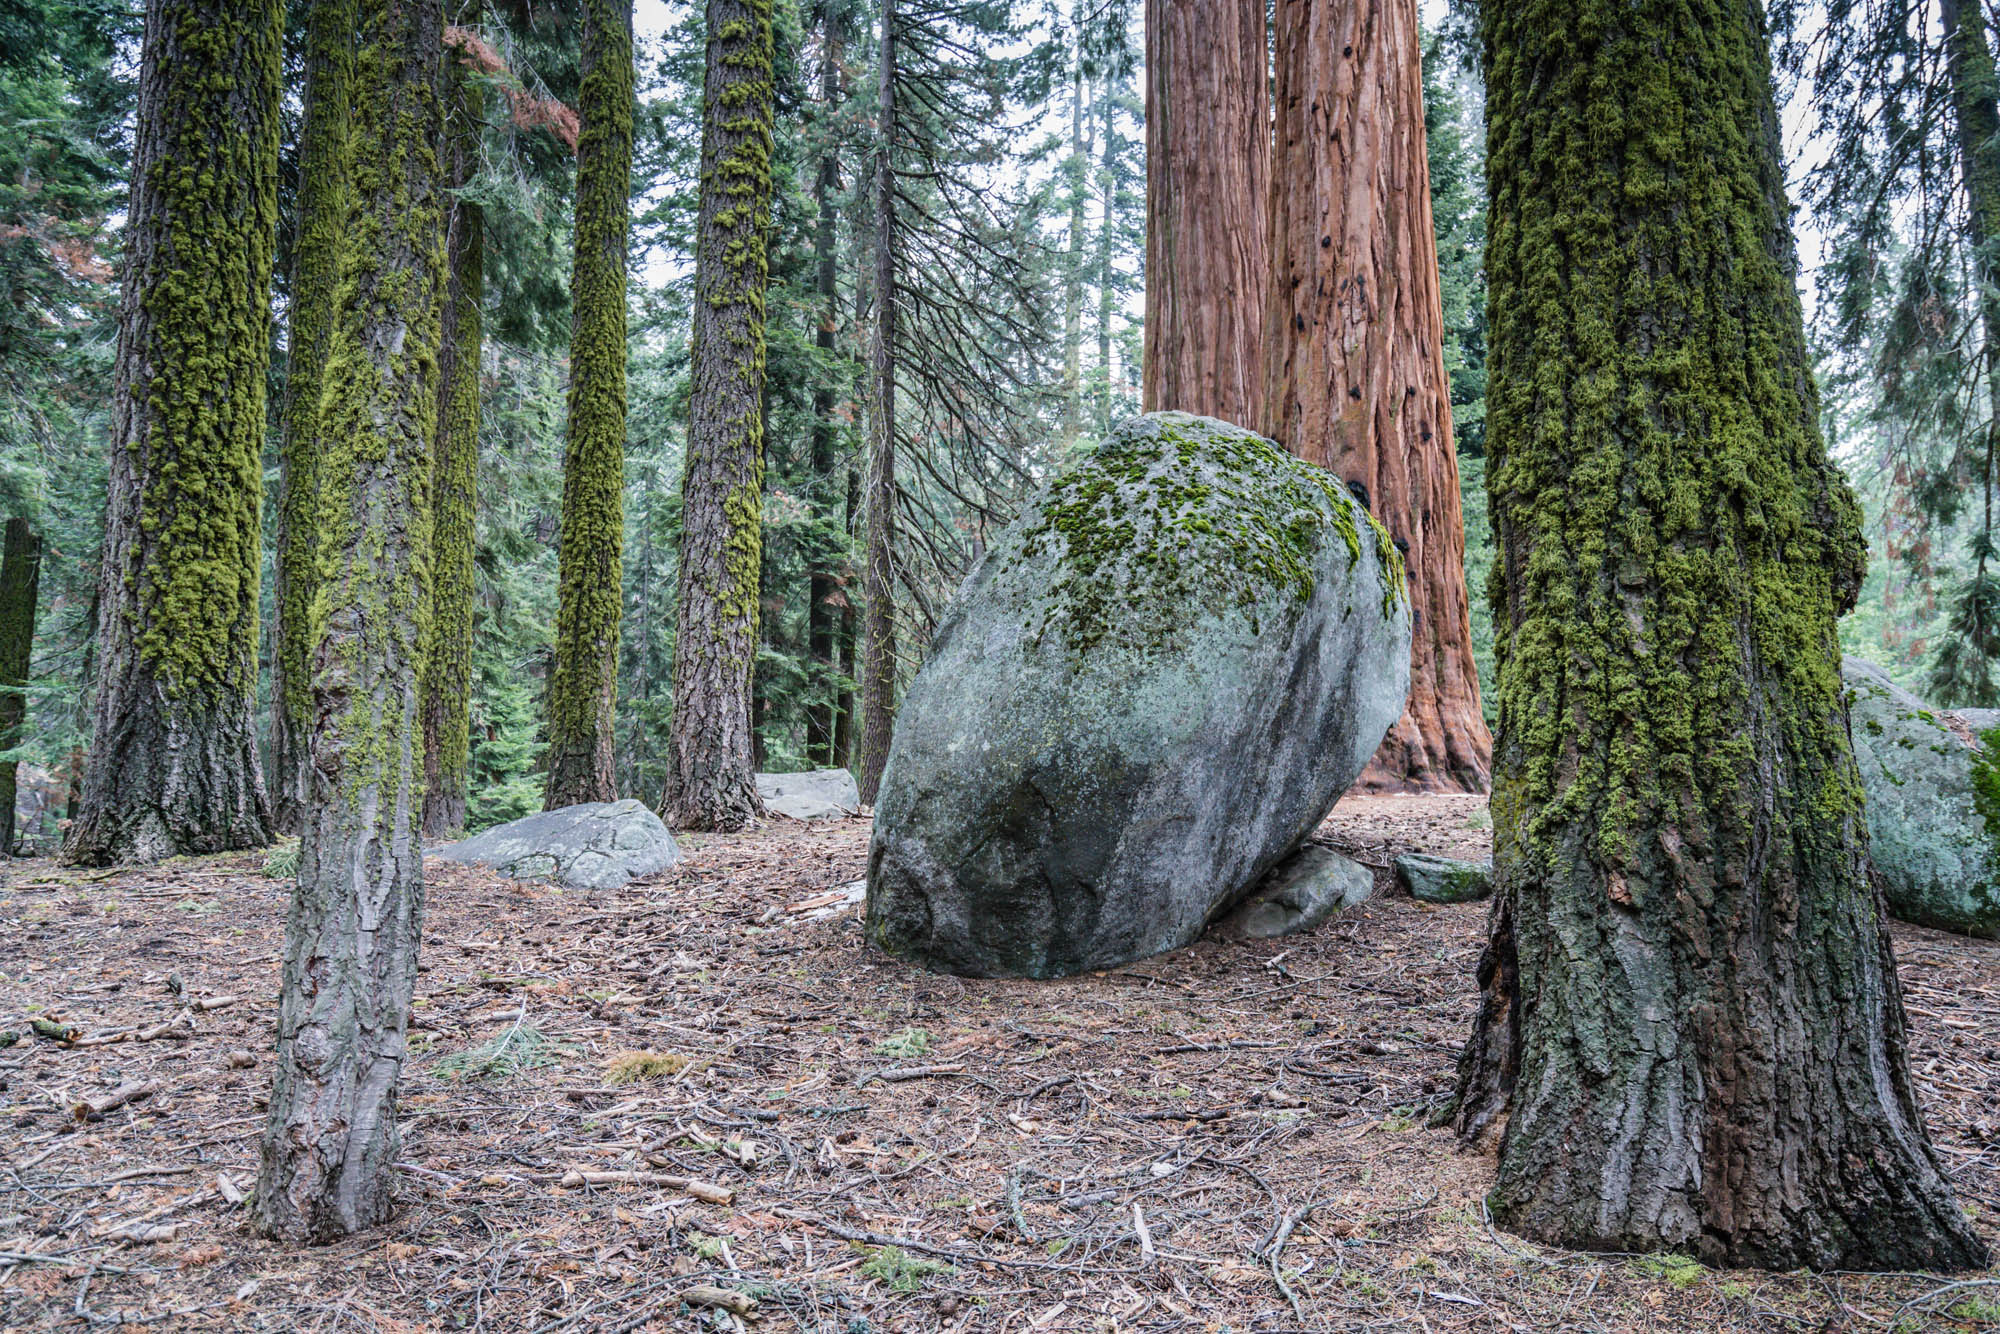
x,y
824,1139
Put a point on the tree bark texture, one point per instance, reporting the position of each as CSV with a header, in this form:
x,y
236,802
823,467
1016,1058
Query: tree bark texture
x,y
1208,163
822,616
583,684
878,627
1076,181
321,215
173,764
1354,351
1691,1035
711,782
455,475
351,938
20,579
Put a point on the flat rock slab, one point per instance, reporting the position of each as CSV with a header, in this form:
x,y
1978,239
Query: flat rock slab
x,y
820,794
1934,849
1442,880
1149,692
1308,887
598,845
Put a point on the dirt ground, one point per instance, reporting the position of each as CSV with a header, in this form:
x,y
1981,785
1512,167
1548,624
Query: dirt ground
x,y
1228,1138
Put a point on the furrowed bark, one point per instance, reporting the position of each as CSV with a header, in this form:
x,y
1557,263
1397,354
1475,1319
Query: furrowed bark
x,y
352,935
878,635
583,685
1690,1019
173,765
20,578
822,617
711,781
1208,163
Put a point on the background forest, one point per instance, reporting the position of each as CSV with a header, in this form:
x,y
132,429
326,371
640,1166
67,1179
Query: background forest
x,y
1023,214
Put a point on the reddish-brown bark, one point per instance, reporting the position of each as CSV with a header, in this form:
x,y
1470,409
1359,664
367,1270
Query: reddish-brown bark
x,y
1353,353
1207,188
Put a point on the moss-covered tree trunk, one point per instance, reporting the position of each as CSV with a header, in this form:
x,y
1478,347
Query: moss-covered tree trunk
x,y
173,764
822,617
1208,162
1691,1035
1354,345
447,701
711,775
583,686
878,580
321,204
352,934
20,578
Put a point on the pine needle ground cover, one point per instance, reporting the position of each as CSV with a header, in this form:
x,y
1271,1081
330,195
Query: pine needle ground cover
x,y
692,1104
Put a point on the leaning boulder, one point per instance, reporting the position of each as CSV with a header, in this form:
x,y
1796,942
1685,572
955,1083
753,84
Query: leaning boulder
x,y
1933,800
598,845
820,794
1156,683
1302,891
1442,879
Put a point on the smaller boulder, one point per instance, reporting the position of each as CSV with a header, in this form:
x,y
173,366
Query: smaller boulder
x,y
821,794
1302,891
1443,880
597,845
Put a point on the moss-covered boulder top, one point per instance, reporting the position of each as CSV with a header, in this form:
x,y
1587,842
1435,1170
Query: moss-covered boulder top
x,y
1156,684
1932,783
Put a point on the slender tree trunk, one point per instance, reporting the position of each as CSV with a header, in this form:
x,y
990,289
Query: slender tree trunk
x,y
1107,185
173,762
351,939
455,476
821,615
711,772
322,214
20,577
1208,163
1076,175
1354,333
878,651
583,684
1691,1035
844,719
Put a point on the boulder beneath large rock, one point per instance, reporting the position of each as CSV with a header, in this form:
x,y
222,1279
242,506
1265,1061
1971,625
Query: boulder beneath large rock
x,y
598,845
1302,891
1930,834
821,794
1156,683
1443,879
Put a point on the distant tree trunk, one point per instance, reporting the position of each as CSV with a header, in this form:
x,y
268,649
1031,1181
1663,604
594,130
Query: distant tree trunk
x,y
711,773
1208,151
173,762
322,214
455,476
1354,332
878,651
821,615
583,682
1076,179
1691,1035
351,938
20,572
1107,185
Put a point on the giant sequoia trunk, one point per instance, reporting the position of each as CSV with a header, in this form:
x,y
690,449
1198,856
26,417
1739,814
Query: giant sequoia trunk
x,y
1691,1035
583,683
1208,151
878,629
1354,350
455,475
711,777
322,214
352,934
173,764
20,578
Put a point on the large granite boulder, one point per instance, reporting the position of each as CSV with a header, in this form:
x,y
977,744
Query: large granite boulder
x,y
1156,683
1933,838
820,794
598,845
